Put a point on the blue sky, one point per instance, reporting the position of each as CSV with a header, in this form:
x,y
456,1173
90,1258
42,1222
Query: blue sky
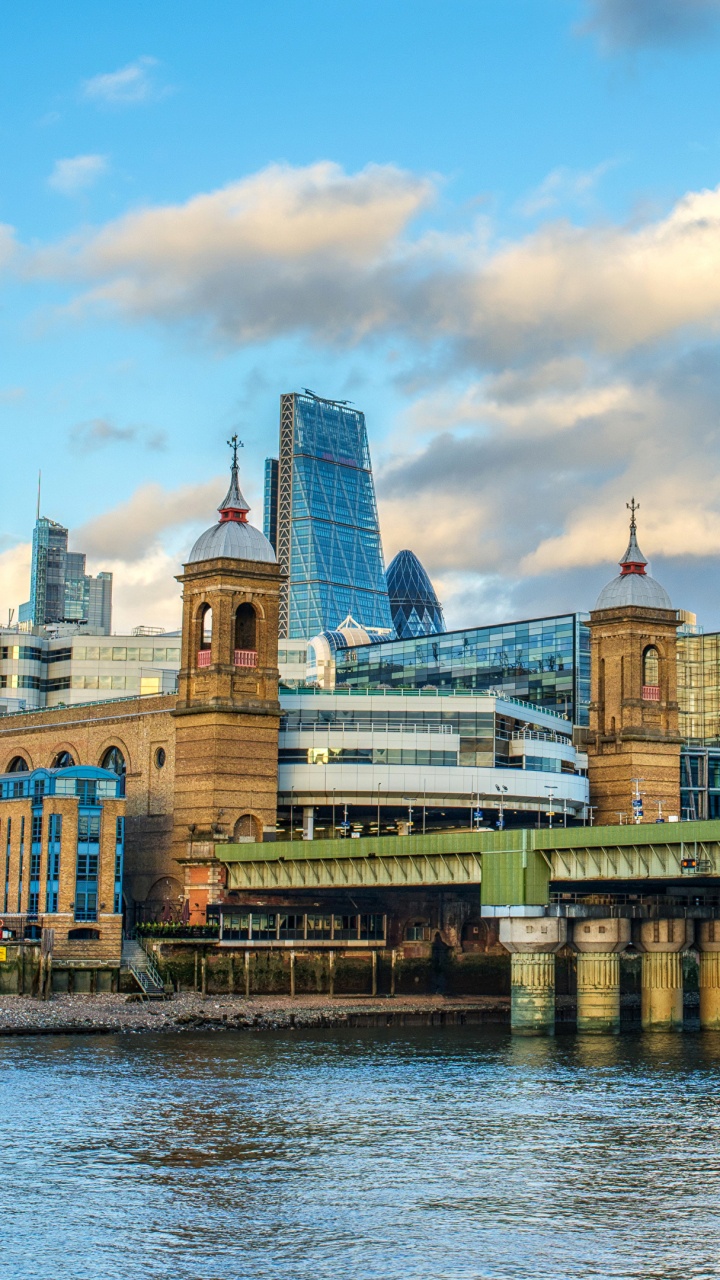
x,y
495,226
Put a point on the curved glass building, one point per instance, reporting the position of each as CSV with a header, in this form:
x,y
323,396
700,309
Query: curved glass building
x,y
415,608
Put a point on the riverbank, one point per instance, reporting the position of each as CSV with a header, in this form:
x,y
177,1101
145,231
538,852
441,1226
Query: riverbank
x,y
190,1011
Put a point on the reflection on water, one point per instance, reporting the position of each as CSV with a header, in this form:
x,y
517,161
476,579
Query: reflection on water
x,y
458,1154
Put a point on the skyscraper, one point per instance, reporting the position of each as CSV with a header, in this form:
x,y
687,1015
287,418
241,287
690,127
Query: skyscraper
x,y
60,589
416,610
326,530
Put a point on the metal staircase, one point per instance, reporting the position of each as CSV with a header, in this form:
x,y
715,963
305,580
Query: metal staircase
x,y
135,960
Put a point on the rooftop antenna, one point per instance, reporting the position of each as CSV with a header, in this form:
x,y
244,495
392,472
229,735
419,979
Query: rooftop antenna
x,y
38,501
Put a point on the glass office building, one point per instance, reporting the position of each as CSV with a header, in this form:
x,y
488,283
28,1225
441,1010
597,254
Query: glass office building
x,y
327,533
60,589
544,661
415,608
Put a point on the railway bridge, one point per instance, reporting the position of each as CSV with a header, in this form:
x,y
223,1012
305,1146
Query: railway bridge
x,y
648,888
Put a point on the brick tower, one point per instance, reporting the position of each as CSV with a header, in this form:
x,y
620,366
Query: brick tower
x,y
227,714
634,741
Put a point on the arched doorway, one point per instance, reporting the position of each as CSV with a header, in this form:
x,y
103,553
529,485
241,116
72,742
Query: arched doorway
x,y
246,829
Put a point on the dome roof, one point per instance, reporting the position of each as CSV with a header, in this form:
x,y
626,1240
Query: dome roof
x,y
633,585
232,538
633,589
415,608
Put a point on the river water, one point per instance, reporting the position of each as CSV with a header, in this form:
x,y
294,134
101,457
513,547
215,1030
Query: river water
x,y
451,1154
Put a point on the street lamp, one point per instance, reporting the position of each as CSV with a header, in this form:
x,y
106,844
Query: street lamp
x,y
378,806
501,819
551,793
408,800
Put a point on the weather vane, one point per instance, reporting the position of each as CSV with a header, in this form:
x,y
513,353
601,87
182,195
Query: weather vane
x,y
235,444
632,507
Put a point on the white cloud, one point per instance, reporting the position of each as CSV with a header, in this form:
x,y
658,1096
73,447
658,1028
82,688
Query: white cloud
x,y
129,85
76,173
14,579
564,186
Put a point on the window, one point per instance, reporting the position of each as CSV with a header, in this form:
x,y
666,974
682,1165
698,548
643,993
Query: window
x,y
89,827
160,758
83,935
651,667
18,764
205,626
114,760
63,760
245,627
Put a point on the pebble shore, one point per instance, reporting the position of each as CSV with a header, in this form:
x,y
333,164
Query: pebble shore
x,y
190,1011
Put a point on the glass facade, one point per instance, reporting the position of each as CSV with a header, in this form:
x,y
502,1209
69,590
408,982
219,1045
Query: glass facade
x,y
698,678
415,608
545,661
60,589
328,534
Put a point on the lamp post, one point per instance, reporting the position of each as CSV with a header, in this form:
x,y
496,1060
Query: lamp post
x,y
551,793
501,819
408,800
379,785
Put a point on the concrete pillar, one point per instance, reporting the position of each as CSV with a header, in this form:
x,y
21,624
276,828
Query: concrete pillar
x,y
598,943
708,941
661,942
308,822
532,943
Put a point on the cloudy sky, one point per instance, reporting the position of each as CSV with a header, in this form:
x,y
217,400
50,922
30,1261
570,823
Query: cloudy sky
x,y
494,225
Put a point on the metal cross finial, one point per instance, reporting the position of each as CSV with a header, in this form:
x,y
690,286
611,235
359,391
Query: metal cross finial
x,y
235,444
632,507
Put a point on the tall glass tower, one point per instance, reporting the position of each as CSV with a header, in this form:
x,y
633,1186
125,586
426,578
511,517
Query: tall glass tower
x,y
60,589
327,535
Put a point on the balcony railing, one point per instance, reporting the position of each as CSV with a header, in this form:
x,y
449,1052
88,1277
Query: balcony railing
x,y
204,658
245,657
651,692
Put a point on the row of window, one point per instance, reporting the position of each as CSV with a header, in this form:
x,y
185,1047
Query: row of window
x,y
365,755
90,653
262,926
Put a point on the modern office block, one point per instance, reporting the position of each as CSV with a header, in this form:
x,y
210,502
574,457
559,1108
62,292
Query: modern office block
x,y
60,589
415,608
543,661
270,502
327,531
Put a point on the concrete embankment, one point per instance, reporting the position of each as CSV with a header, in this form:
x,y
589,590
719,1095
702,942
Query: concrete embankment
x,y
189,1011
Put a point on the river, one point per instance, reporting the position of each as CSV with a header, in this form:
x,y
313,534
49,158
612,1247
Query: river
x,y
451,1154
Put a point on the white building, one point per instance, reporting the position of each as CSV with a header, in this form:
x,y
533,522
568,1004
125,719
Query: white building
x,y
444,756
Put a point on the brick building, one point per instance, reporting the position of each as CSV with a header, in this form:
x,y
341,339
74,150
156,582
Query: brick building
x,y
202,762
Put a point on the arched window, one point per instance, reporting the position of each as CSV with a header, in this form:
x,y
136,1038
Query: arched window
x,y
245,628
63,760
114,760
18,764
651,667
204,626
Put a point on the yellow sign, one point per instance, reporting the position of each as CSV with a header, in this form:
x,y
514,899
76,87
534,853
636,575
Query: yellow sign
x,y
3,954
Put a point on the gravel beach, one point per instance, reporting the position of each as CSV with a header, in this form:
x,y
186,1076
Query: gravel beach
x,y
62,1014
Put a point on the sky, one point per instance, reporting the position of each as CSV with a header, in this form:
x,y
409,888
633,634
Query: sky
x,y
493,225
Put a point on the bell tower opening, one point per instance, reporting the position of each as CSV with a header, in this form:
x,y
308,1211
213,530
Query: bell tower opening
x,y
245,636
651,674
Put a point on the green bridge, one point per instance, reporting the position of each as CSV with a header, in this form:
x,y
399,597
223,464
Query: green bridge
x,y
512,866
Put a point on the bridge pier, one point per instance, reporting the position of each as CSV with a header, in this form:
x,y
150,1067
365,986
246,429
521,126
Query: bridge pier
x,y
532,943
708,941
598,943
661,942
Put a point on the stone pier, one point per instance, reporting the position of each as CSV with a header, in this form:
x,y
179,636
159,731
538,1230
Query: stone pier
x,y
661,943
598,943
532,944
708,942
